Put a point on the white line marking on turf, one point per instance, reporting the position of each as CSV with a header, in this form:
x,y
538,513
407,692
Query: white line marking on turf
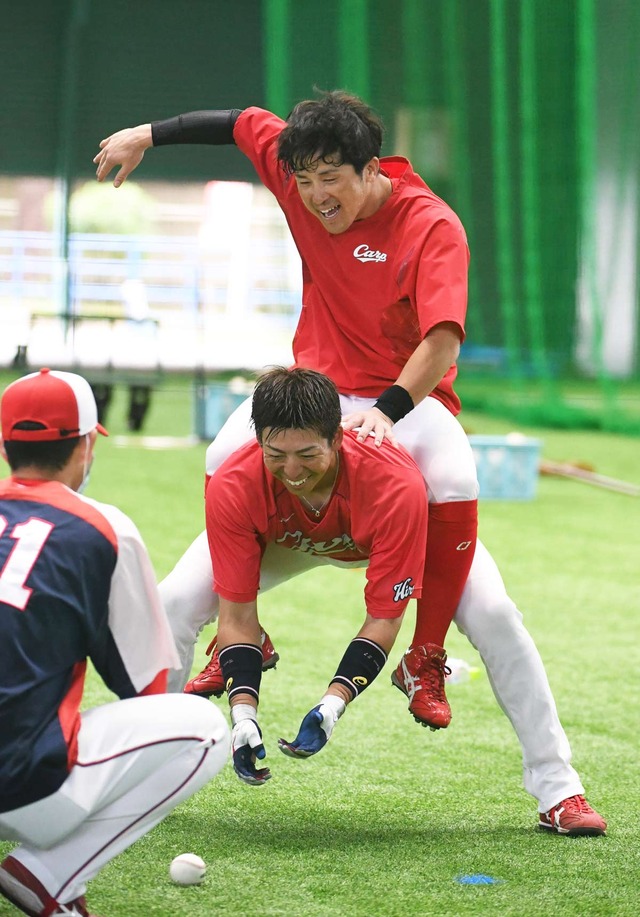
x,y
156,442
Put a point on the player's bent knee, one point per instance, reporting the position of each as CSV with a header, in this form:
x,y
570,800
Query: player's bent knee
x,y
216,735
449,482
200,717
485,620
171,717
185,632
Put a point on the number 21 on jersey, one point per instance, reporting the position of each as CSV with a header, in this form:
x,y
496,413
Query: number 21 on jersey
x,y
29,537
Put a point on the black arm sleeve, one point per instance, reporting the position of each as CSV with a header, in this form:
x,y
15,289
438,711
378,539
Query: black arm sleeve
x,y
210,127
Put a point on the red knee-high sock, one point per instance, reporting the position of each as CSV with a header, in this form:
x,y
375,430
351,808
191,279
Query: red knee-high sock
x,y
451,542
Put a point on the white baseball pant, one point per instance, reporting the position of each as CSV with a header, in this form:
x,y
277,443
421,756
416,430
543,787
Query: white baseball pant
x,y
137,760
486,615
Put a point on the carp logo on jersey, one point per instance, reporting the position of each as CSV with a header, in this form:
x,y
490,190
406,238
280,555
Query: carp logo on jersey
x,y
365,254
403,590
297,541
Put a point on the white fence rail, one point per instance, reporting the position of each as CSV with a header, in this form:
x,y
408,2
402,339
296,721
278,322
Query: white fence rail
x,y
139,303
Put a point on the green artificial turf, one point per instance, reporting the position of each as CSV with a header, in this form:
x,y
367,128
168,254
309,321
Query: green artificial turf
x,y
384,821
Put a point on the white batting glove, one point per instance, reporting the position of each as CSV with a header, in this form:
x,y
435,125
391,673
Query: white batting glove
x,y
315,729
246,745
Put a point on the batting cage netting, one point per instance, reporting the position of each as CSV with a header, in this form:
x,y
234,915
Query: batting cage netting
x,y
525,116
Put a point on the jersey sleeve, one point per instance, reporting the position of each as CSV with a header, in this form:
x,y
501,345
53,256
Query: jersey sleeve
x,y
140,646
234,543
442,276
397,518
256,133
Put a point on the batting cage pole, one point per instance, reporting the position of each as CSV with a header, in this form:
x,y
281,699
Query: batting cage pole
x,y
277,45
64,154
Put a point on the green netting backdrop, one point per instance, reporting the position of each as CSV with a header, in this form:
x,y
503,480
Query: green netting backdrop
x,y
523,114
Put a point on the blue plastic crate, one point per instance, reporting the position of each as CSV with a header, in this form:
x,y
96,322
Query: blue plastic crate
x,y
214,402
507,466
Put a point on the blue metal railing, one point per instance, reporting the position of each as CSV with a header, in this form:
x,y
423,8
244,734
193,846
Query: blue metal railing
x,y
177,274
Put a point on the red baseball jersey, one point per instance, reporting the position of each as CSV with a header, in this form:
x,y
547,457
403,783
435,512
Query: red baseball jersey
x,y
372,293
378,511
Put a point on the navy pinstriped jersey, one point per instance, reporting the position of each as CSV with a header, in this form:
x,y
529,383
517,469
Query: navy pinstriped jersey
x,y
75,583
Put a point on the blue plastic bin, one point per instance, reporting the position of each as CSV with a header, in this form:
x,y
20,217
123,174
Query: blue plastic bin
x,y
507,466
214,402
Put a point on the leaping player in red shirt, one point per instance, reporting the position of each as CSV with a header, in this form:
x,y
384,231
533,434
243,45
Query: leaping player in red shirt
x,y
384,300
384,265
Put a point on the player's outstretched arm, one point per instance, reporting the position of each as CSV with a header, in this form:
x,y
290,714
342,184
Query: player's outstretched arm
x,y
126,149
362,662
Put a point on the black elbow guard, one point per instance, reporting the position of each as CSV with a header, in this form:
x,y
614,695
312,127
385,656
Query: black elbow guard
x,y
210,127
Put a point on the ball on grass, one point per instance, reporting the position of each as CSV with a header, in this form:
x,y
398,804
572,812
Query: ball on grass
x,y
515,438
187,869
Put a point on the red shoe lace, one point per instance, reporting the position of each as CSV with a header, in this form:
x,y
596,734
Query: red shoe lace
x,y
209,650
433,671
577,805
214,663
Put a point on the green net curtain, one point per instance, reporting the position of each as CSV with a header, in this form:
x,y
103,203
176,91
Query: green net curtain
x,y
523,114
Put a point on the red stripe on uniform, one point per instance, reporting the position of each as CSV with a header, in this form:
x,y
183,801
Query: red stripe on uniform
x,y
61,497
69,712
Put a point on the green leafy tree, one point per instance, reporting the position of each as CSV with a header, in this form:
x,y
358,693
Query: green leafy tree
x,y
95,208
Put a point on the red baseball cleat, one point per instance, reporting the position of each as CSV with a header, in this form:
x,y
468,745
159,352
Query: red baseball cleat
x,y
420,676
30,896
573,817
210,680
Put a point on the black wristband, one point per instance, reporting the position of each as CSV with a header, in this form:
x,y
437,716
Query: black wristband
x,y
211,127
395,403
360,665
241,665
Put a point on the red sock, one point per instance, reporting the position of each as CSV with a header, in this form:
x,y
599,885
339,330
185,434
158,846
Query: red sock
x,y
451,543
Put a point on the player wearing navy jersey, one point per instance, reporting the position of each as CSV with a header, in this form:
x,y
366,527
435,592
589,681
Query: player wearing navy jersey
x,y
308,493
76,584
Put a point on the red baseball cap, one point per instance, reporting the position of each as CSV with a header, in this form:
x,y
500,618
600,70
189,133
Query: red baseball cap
x,y
62,402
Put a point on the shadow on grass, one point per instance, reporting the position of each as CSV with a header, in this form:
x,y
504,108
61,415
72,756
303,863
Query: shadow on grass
x,y
337,831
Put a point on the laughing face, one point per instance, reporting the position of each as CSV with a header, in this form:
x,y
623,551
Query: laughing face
x,y
336,195
302,460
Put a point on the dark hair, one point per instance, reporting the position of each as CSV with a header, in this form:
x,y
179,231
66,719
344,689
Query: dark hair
x,y
295,399
48,455
337,127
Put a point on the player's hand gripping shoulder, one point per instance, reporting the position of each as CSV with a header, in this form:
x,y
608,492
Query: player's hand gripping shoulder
x,y
371,423
315,729
125,149
246,746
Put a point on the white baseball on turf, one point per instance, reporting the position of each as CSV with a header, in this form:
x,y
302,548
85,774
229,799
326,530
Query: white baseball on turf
x,y
187,869
515,438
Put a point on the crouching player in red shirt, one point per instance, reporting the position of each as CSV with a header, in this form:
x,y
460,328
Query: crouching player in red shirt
x,y
305,493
